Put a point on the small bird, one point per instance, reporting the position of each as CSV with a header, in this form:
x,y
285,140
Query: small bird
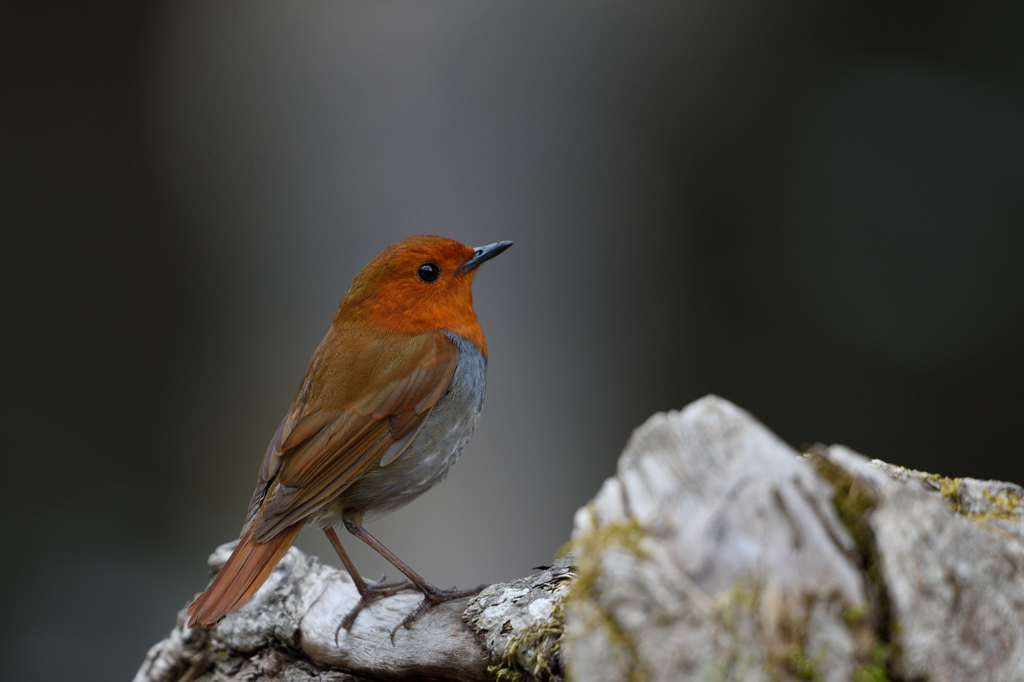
x,y
388,402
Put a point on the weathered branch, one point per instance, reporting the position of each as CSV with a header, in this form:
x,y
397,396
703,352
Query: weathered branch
x,y
296,616
715,552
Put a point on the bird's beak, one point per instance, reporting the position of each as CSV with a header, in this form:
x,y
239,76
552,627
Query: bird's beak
x,y
483,253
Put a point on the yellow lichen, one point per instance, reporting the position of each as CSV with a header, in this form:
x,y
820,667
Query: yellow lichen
x,y
856,614
536,641
854,500
805,668
1007,506
949,488
877,669
734,603
589,548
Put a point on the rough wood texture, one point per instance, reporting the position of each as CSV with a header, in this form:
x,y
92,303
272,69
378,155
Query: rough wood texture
x,y
716,552
290,631
950,559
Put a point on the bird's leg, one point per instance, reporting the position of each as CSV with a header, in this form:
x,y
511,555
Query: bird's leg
x,y
367,592
432,596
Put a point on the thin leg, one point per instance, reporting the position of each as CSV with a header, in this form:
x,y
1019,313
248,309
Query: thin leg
x,y
432,596
349,566
365,536
367,592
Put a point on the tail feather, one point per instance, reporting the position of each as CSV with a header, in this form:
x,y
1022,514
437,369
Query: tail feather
x,y
246,570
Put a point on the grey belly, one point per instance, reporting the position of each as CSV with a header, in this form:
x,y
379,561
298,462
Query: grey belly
x,y
431,454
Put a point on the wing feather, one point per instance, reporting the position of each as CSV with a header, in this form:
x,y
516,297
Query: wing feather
x,y
308,427
374,396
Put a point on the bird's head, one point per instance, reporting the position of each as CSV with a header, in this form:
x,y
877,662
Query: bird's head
x,y
419,284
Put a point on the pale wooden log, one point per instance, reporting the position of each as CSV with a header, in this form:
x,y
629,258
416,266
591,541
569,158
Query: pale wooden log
x,y
950,558
290,630
716,552
713,553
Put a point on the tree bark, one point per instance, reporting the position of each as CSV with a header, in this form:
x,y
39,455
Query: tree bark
x,y
291,630
715,552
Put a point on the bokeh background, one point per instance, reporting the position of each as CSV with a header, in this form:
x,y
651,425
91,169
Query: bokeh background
x,y
812,209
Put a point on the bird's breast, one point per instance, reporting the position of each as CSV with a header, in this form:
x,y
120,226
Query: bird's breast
x,y
435,449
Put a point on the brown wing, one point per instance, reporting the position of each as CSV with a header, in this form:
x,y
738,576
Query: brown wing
x,y
363,400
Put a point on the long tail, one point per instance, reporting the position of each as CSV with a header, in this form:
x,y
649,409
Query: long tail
x,y
246,569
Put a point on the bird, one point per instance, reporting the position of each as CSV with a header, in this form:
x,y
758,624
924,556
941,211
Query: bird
x,y
388,401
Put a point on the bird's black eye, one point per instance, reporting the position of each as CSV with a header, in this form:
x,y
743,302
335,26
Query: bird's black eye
x,y
428,272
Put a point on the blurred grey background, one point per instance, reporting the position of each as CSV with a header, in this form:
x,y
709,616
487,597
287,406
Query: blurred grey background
x,y
812,209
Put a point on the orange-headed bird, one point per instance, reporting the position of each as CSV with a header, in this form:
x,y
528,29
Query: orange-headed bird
x,y
388,402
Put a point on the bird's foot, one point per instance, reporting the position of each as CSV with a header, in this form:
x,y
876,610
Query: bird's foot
x,y
431,598
371,591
